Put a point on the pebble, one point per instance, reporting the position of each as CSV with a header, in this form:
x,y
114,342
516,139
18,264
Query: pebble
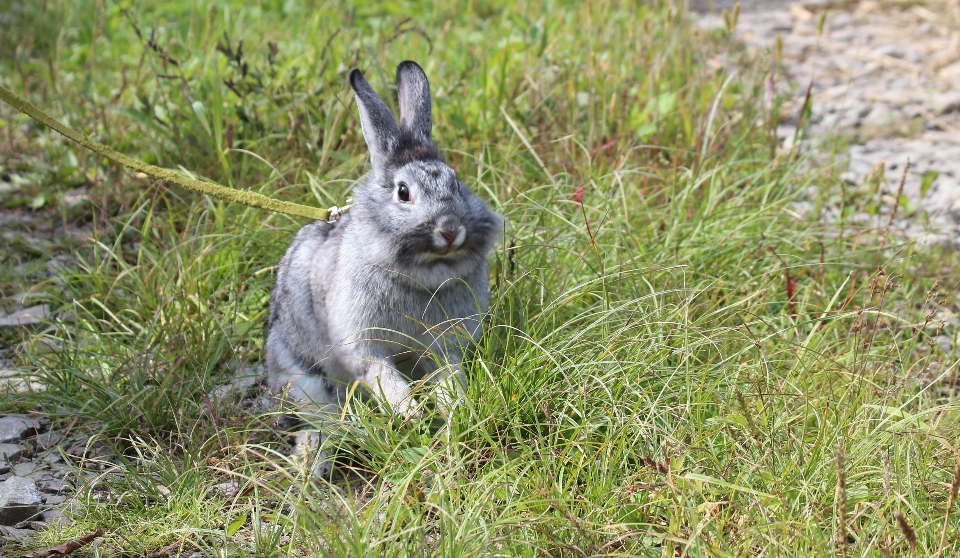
x,y
54,499
55,516
227,489
51,458
14,428
945,343
242,381
25,469
10,452
25,317
48,440
19,500
52,485
12,534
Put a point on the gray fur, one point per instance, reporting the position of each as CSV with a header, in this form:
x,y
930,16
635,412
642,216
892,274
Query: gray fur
x,y
393,285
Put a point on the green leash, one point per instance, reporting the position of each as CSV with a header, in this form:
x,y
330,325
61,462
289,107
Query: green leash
x,y
244,197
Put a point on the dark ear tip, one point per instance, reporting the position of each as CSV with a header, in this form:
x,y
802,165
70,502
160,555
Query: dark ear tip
x,y
408,65
355,76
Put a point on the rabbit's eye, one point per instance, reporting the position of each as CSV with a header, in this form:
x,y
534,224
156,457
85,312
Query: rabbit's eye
x,y
403,192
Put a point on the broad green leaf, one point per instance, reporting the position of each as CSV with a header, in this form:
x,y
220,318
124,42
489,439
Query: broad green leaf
x,y
236,524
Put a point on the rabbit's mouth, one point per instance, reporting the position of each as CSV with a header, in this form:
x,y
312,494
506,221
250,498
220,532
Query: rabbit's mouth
x,y
448,239
447,252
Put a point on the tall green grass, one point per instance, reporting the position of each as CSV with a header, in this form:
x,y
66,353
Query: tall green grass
x,y
675,363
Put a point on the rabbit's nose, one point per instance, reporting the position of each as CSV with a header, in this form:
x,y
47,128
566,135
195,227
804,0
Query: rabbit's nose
x,y
449,235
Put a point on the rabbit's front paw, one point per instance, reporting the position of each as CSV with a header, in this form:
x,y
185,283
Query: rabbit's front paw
x,y
306,446
408,408
448,398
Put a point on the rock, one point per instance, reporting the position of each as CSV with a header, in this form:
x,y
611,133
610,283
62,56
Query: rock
x,y
19,500
82,448
56,516
53,499
227,489
945,103
241,382
48,440
950,73
945,343
10,452
894,51
882,116
25,469
52,485
51,458
15,535
27,316
14,428
74,198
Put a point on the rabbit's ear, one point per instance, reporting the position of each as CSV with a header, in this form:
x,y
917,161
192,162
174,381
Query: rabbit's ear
x,y
380,129
413,91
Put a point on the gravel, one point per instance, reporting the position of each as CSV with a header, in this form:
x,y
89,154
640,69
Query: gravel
x,y
884,77
25,317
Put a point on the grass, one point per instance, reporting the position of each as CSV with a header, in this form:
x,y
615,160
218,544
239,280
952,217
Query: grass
x,y
676,363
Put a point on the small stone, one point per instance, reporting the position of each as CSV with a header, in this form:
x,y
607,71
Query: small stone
x,y
25,469
241,382
894,51
10,452
56,516
19,500
945,103
48,440
14,428
53,499
78,449
74,198
28,316
51,458
945,342
950,73
52,485
227,489
37,525
882,116
15,535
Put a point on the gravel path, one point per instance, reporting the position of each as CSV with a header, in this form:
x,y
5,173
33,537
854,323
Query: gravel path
x,y
886,78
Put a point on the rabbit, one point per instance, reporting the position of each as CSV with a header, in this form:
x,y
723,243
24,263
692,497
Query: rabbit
x,y
395,289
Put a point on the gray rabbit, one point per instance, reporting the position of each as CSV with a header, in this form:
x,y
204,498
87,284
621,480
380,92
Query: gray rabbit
x,y
395,289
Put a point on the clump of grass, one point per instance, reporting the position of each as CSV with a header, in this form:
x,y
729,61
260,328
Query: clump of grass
x,y
841,500
952,498
672,354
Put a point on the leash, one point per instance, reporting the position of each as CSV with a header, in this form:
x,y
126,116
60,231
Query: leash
x,y
244,197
